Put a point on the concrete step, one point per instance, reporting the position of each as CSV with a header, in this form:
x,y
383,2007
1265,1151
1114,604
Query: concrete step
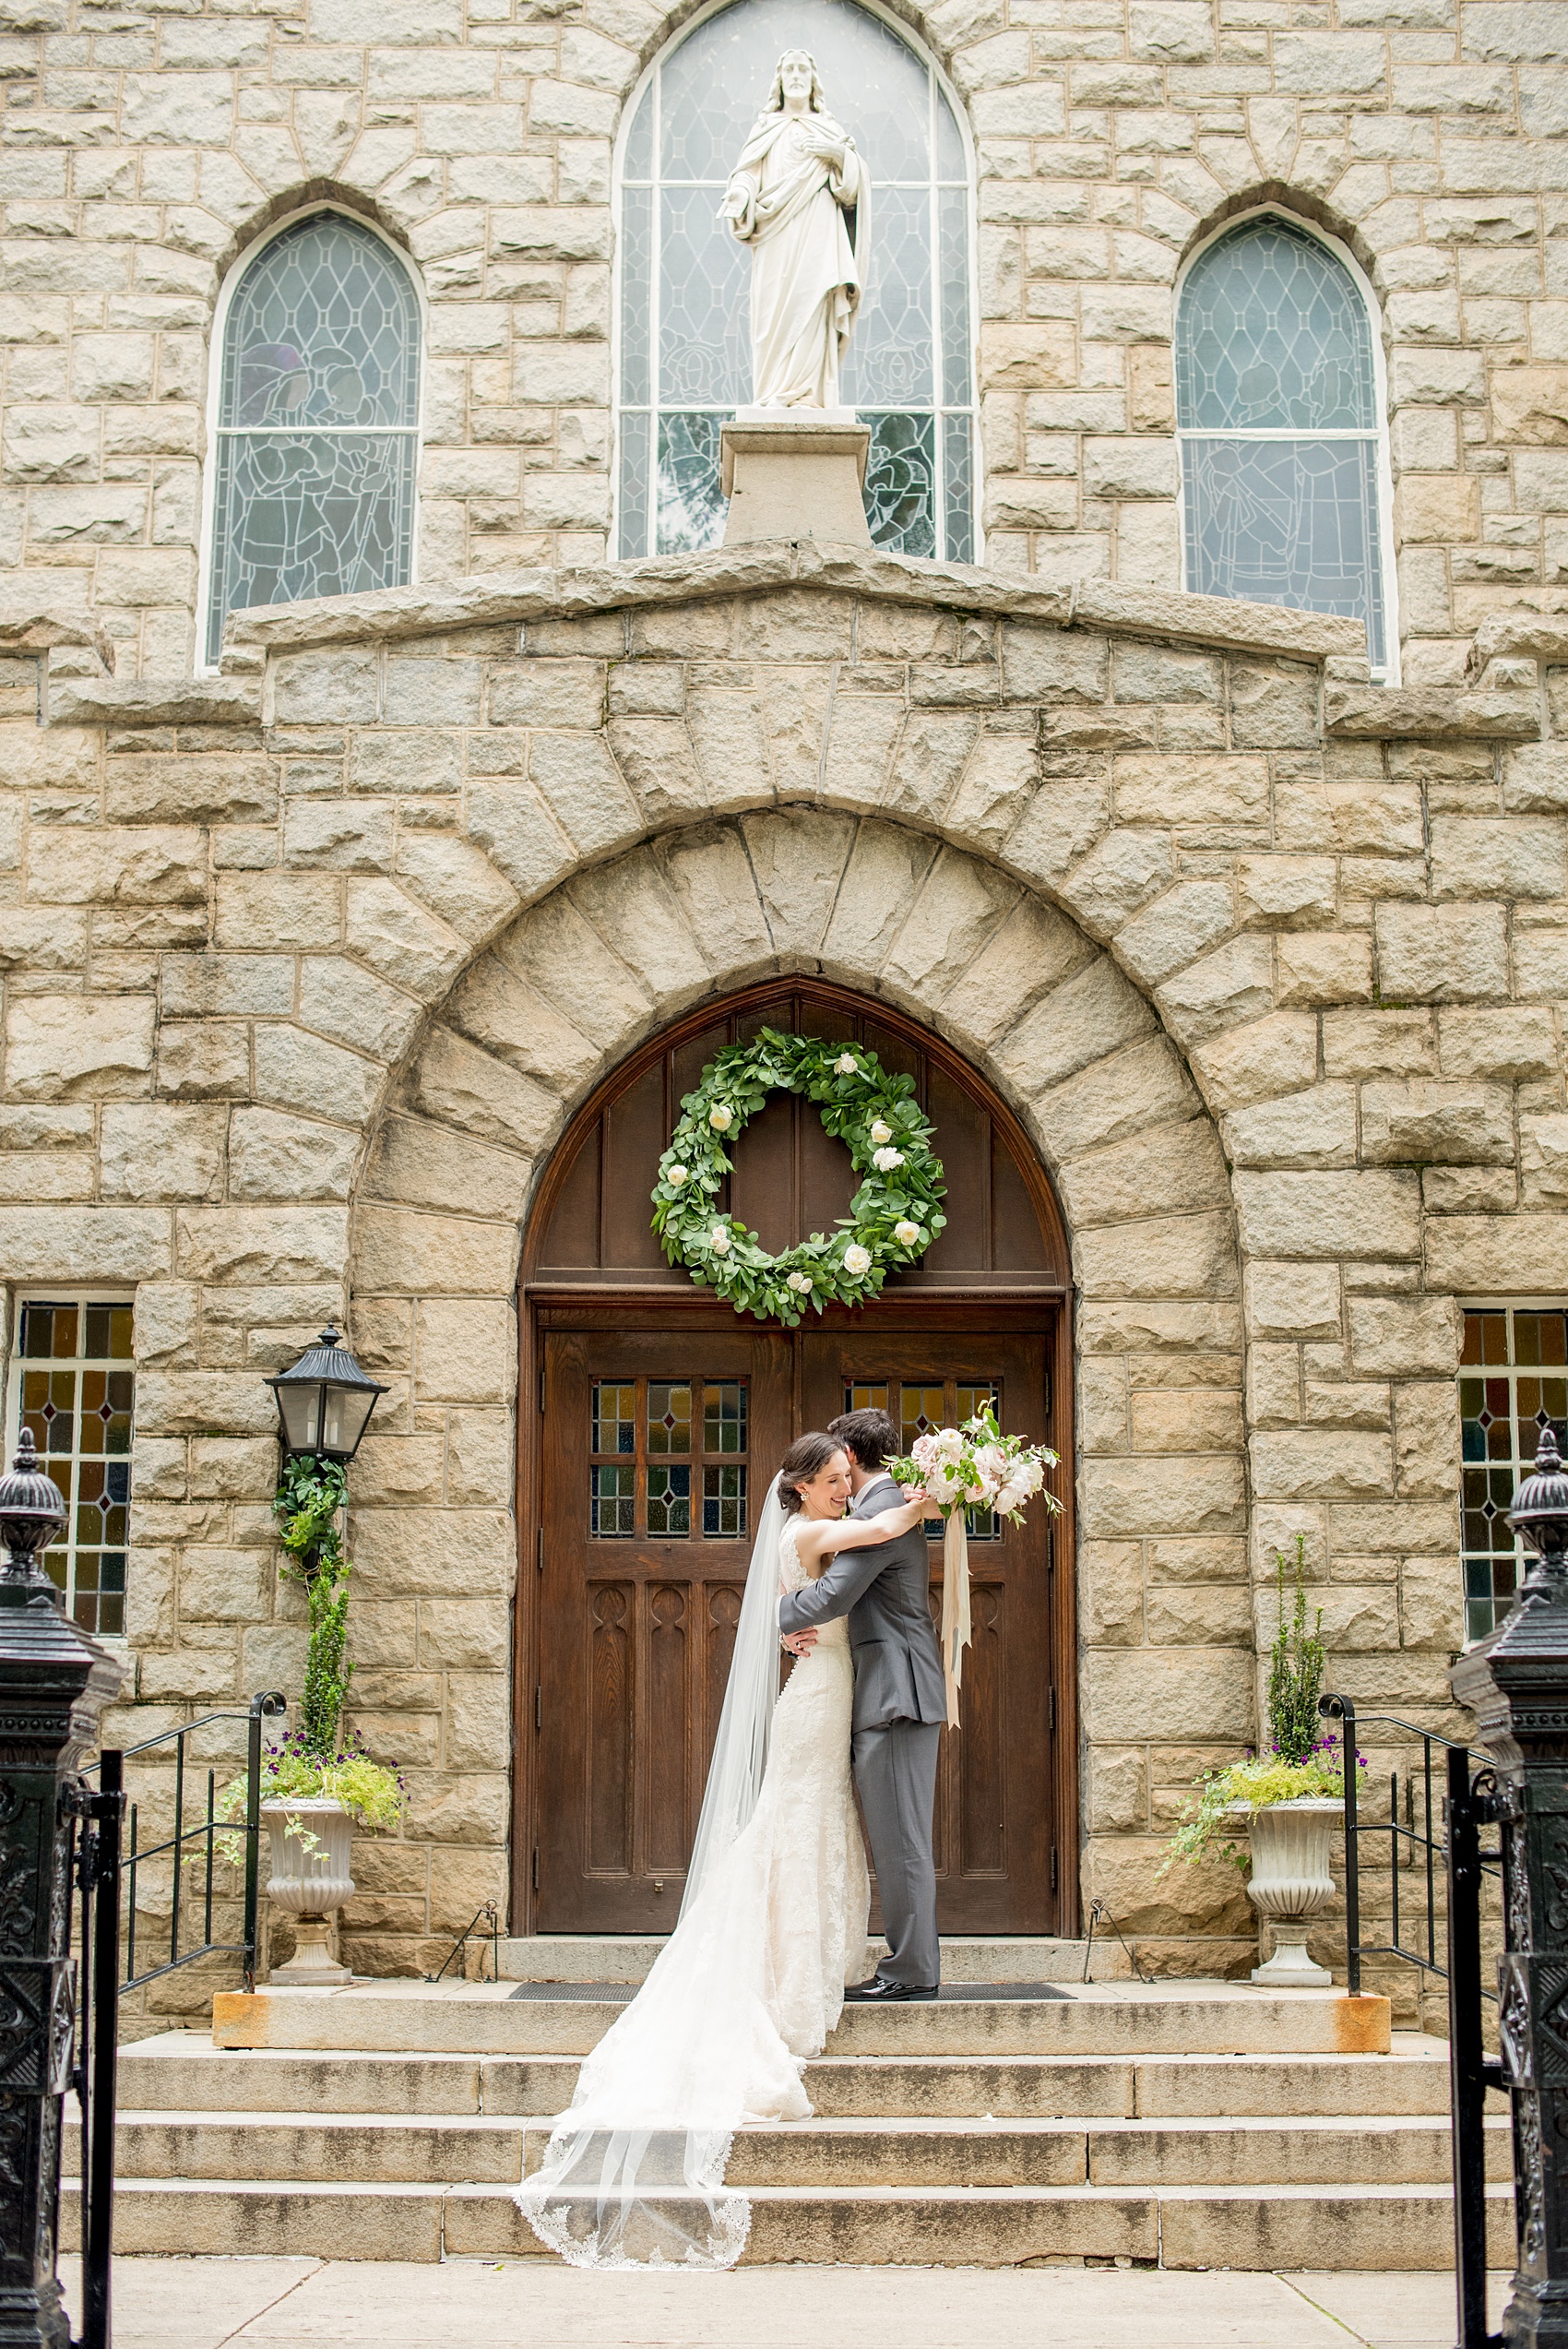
x,y
1109,2020
377,2148
182,2072
596,1957
1248,2227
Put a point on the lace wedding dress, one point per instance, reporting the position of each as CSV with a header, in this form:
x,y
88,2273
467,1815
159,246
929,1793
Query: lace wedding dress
x,y
751,1982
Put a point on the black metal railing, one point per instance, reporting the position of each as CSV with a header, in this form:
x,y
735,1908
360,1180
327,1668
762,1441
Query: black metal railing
x,y
1416,1843
198,1844
1443,1846
105,1874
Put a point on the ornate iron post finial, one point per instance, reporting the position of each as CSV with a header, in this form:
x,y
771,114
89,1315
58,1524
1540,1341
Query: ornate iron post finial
x,y
32,1508
1539,1517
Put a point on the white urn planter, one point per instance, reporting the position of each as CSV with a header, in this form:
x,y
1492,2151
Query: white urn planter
x,y
310,1878
1290,1883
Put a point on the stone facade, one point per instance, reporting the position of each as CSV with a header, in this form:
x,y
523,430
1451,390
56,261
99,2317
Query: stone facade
x,y
144,150
307,966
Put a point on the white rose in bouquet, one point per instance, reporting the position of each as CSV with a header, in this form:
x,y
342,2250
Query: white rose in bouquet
x,y
857,1262
884,1160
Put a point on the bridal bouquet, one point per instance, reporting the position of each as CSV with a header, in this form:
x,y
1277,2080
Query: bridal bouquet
x,y
972,1466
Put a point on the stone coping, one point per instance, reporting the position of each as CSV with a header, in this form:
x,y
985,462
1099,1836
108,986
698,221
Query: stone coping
x,y
764,564
38,628
1523,634
1432,713
187,701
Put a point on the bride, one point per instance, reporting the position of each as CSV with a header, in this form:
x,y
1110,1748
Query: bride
x,y
772,1927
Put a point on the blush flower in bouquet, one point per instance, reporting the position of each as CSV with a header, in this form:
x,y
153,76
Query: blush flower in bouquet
x,y
972,1466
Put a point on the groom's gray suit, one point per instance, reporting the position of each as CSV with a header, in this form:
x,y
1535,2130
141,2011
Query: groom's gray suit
x,y
900,1705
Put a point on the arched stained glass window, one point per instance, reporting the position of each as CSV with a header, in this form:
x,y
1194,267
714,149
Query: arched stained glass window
x,y
318,422
1276,412
684,299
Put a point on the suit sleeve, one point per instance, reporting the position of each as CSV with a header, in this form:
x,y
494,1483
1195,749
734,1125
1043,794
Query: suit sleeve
x,y
846,1580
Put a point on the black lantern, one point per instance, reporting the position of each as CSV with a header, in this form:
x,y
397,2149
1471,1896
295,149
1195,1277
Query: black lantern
x,y
32,1507
1539,1517
325,1401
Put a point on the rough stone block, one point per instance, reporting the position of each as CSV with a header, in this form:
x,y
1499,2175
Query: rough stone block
x,y
1442,953
78,1048
1370,1214
276,1157
163,1151
1419,1120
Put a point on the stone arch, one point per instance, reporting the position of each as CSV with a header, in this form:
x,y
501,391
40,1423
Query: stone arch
x,y
558,998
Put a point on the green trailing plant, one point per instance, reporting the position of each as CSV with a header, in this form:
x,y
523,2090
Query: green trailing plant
x,y
892,1218
310,1497
1295,1666
1299,1761
320,1760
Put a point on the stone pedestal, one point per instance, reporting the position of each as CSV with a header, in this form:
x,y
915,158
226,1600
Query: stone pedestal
x,y
795,473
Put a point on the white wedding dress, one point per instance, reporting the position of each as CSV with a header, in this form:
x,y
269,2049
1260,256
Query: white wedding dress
x,y
772,1928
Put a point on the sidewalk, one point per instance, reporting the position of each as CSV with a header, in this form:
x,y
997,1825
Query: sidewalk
x,y
310,2304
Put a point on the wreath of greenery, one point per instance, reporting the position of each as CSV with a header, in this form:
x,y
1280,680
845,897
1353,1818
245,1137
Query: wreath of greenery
x,y
893,1217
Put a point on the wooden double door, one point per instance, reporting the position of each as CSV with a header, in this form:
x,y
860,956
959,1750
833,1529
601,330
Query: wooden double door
x,y
657,1445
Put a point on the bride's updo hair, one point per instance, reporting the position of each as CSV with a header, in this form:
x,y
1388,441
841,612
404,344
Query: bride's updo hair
x,y
806,1458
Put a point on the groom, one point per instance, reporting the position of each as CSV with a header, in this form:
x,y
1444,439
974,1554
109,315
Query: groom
x,y
900,1705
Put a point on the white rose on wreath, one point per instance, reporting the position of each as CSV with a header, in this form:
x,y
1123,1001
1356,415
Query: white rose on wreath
x,y
719,1240
881,1131
721,1118
676,1176
857,1260
905,1233
884,1160
800,1282
846,1065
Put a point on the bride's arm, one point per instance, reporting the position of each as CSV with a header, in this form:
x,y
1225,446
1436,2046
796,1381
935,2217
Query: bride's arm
x,y
860,1559
819,1535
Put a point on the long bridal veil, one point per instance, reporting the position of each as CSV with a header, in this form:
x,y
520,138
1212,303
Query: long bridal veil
x,y
634,2173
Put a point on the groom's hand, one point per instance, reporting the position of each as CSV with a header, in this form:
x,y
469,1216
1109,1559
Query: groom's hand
x,y
800,1643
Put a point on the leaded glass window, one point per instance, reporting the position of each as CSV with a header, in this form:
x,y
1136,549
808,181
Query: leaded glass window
x,y
684,300
76,1390
316,437
1277,414
1513,1383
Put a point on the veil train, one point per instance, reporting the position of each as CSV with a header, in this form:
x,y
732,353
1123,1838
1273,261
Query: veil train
x,y
633,2171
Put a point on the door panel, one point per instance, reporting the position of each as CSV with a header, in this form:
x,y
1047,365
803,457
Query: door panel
x,y
658,1450
995,1833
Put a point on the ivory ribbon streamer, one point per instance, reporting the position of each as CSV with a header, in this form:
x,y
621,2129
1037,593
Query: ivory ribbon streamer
x,y
955,1607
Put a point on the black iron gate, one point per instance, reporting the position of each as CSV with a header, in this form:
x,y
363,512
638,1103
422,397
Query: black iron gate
x,y
1437,1815
107,1860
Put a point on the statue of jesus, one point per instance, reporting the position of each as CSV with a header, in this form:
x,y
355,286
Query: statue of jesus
x,y
798,197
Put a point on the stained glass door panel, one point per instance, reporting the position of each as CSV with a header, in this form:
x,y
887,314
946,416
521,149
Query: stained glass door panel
x,y
658,1451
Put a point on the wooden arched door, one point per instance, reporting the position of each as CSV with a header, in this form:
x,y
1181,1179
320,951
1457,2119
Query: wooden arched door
x,y
654,1417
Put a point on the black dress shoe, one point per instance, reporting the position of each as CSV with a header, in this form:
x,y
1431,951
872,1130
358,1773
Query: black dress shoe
x,y
886,1994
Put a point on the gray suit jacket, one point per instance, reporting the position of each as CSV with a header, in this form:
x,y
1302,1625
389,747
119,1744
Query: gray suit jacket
x,y
884,1590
